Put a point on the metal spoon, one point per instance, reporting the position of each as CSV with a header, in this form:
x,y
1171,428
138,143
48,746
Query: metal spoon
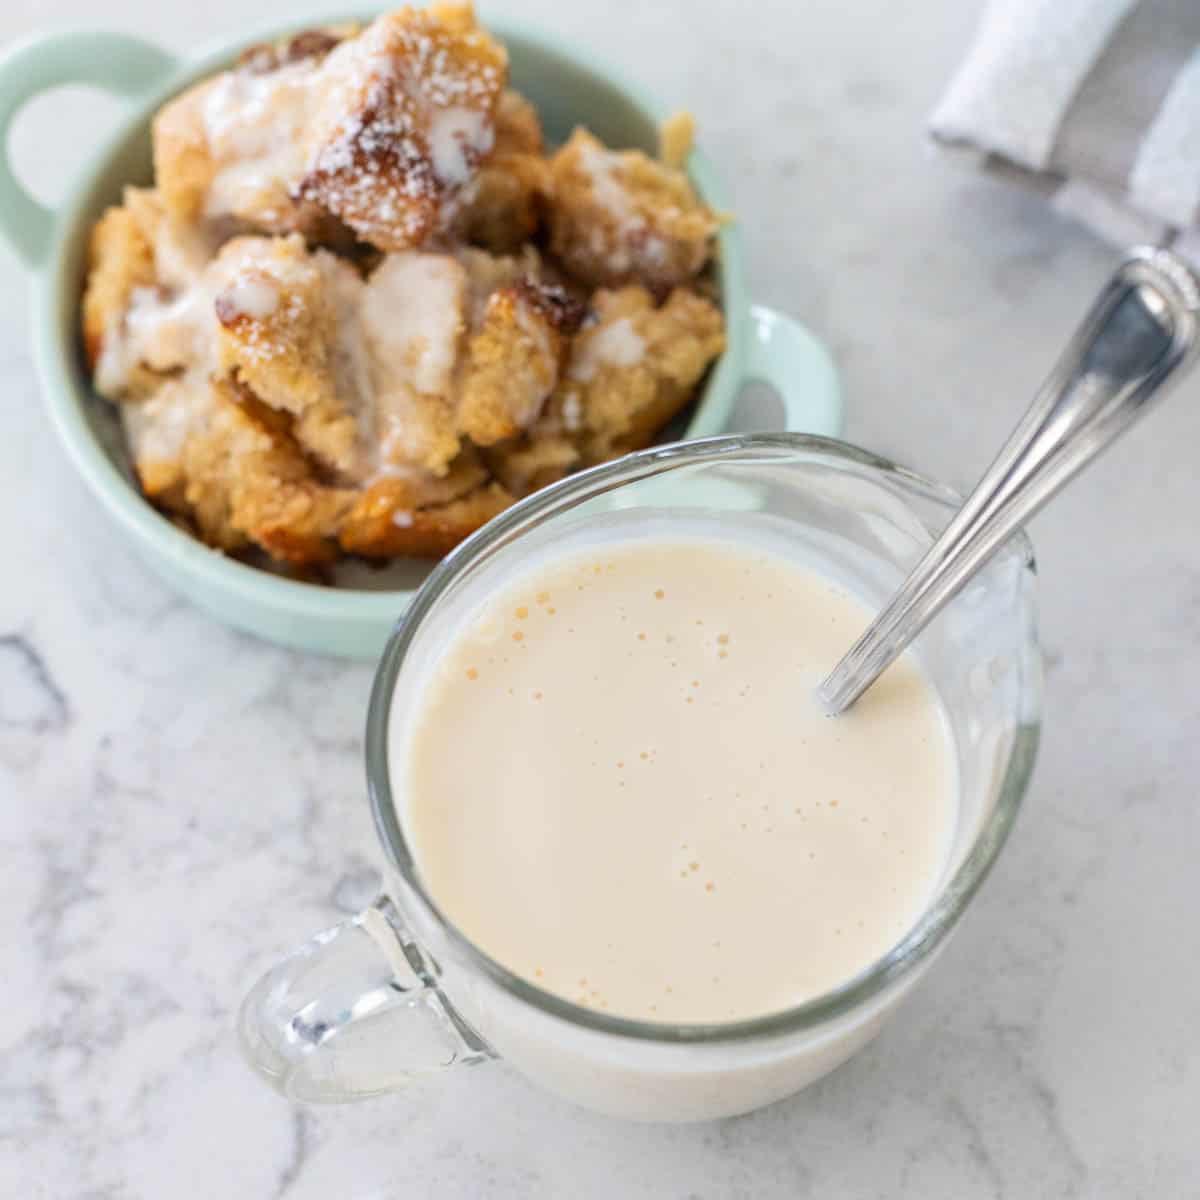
x,y
1140,335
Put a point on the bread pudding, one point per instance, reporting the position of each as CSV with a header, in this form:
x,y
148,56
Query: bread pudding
x,y
365,307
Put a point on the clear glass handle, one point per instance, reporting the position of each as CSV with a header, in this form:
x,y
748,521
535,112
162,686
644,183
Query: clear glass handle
x,y
354,1013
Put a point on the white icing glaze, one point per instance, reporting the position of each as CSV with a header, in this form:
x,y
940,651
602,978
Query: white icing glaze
x,y
166,334
600,166
572,413
458,139
159,330
536,330
257,127
253,296
158,428
182,250
412,318
438,124
344,288
166,329
267,131
615,345
412,315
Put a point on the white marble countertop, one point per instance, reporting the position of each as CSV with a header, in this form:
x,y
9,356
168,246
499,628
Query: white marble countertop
x,y
180,804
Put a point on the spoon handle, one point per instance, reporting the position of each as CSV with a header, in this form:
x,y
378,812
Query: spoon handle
x,y
1142,329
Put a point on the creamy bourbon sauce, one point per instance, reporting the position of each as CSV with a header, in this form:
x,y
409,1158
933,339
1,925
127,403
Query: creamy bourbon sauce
x,y
618,783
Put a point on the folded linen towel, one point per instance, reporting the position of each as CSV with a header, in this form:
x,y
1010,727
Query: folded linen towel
x,y
1096,102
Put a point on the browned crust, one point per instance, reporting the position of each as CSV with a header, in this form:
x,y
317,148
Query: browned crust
x,y
511,366
309,43
553,303
504,207
256,469
120,258
525,464
371,530
242,479
518,128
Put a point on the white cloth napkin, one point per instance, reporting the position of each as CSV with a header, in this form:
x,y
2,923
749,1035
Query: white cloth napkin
x,y
1096,102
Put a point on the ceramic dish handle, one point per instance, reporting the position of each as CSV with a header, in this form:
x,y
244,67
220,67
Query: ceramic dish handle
x,y
784,354
354,1013
123,65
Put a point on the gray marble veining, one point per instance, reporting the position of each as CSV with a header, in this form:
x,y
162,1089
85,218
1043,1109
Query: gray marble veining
x,y
180,804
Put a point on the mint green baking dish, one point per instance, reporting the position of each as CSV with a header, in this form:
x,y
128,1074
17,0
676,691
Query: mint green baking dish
x,y
568,86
